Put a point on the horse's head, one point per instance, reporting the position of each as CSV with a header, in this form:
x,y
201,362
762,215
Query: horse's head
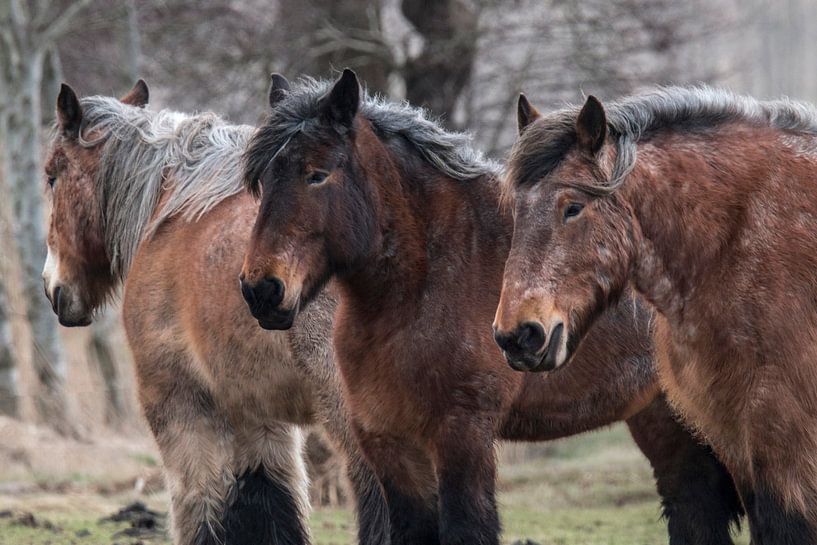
x,y
572,239
77,274
315,218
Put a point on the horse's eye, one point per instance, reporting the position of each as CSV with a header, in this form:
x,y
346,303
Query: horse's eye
x,y
51,181
317,177
572,210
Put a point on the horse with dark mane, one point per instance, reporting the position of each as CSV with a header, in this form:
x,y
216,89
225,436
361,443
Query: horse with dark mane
x,y
405,217
154,200
706,203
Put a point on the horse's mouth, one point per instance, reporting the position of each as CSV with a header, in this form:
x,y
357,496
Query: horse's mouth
x,y
551,354
277,320
528,363
74,321
544,361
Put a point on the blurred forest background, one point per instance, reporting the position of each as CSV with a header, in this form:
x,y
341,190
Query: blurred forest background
x,y
465,60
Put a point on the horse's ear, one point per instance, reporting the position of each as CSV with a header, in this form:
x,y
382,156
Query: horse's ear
x,y
278,89
591,126
69,111
341,103
525,113
138,96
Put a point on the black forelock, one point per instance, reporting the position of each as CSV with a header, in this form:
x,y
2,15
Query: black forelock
x,y
541,149
299,111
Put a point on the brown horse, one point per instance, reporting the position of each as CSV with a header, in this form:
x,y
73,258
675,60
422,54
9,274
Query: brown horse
x,y
154,200
714,222
405,216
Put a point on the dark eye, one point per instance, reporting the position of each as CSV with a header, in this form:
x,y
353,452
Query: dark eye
x,y
51,181
317,177
572,210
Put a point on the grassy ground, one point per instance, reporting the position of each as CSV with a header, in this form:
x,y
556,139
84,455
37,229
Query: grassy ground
x,y
592,490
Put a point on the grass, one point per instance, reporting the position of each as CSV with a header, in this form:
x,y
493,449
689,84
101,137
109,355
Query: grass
x,y
596,489
72,528
145,459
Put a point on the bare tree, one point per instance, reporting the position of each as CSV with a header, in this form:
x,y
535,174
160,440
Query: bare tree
x,y
557,49
321,36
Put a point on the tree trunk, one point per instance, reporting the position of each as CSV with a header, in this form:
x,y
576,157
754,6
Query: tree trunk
x,y
8,388
23,146
22,343
436,77
133,44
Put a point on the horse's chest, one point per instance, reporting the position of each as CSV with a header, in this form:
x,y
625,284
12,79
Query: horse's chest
x,y
401,380
702,389
283,397
257,380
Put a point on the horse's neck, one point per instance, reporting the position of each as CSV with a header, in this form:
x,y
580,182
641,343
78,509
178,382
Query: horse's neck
x,y
429,223
688,199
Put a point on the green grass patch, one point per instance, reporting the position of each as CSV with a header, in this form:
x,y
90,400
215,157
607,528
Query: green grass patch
x,y
596,489
333,527
66,529
144,458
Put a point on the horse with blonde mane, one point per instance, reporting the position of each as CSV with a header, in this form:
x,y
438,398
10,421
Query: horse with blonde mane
x,y
154,200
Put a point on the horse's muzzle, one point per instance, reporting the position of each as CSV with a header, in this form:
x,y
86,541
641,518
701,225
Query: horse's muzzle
x,y
70,313
525,349
263,298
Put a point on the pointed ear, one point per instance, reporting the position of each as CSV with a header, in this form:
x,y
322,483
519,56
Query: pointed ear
x,y
69,112
138,96
341,103
278,88
591,125
525,113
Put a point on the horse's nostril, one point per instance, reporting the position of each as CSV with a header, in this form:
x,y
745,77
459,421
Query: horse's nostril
x,y
502,340
263,296
247,292
531,337
55,303
528,338
271,291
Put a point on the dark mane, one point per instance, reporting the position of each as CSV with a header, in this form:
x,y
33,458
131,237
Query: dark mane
x,y
450,152
636,119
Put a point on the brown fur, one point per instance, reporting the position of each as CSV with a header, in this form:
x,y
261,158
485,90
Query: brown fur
x,y
418,259
715,227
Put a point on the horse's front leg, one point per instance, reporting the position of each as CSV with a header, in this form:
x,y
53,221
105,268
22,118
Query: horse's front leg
x,y
698,495
371,509
269,503
224,487
773,521
408,483
311,343
196,443
466,470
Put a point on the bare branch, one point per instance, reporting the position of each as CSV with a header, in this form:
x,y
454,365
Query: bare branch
x,y
60,25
